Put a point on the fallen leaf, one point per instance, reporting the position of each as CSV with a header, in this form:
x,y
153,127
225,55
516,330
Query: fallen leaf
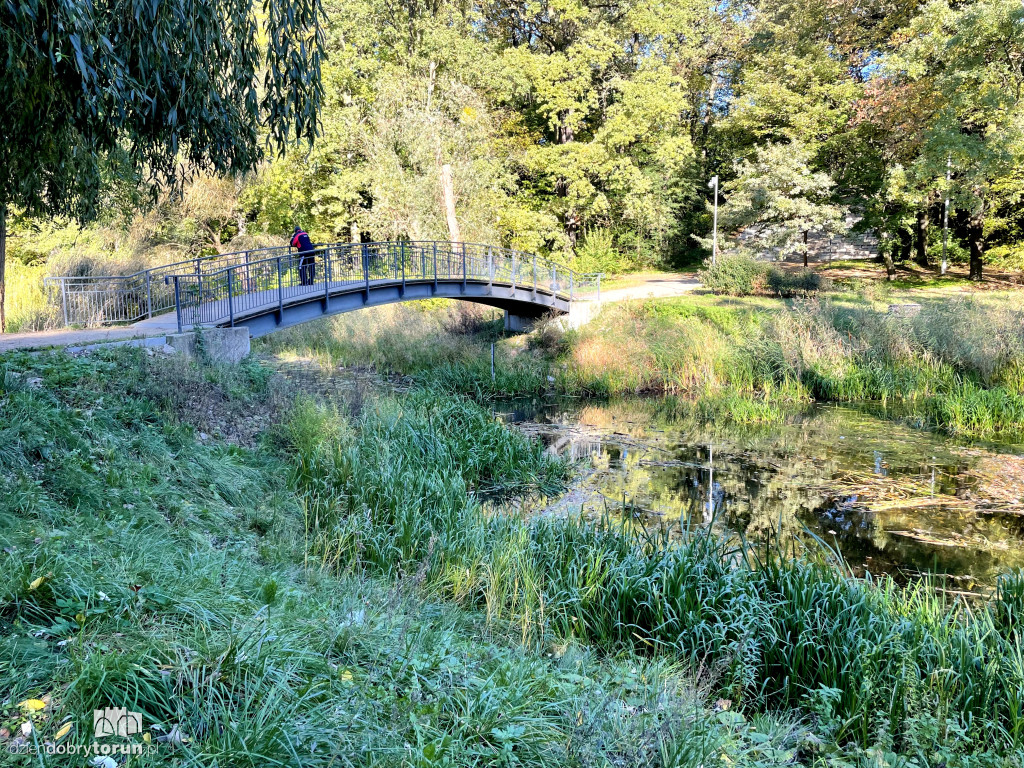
x,y
36,583
174,737
64,731
33,705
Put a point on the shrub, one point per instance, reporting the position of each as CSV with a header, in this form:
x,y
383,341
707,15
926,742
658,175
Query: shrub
x,y
597,253
734,274
739,274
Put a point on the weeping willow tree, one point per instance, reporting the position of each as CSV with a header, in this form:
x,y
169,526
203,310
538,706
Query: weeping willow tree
x,y
152,91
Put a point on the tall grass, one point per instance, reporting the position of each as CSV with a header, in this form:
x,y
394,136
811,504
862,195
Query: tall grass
x,y
141,567
957,365
27,304
776,631
438,342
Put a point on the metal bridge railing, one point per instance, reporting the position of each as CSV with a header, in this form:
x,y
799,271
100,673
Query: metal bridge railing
x,y
91,300
219,296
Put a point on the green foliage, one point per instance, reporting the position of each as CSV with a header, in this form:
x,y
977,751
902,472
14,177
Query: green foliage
x,y
734,275
781,632
597,253
142,568
201,85
781,198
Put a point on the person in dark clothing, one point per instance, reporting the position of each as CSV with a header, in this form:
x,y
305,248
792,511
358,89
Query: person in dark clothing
x,y
307,260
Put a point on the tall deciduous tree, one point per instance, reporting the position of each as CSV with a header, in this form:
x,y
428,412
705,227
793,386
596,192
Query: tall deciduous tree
x,y
171,86
969,60
782,199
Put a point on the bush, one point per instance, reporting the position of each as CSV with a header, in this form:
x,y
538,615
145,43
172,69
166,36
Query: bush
x,y
734,275
796,283
739,274
597,253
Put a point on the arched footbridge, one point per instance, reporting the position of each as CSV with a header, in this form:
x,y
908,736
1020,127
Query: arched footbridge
x,y
273,288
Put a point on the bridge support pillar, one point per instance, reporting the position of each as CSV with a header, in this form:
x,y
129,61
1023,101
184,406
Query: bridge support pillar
x,y
514,322
216,345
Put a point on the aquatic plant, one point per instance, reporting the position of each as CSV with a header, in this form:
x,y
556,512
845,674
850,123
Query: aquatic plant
x,y
775,630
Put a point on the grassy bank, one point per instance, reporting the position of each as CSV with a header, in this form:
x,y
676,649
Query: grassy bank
x,y
148,563
956,366
347,587
866,663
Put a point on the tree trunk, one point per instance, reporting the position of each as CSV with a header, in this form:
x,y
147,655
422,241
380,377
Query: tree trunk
x,y
353,232
3,267
805,248
921,240
430,83
885,255
448,194
566,134
906,244
976,238
572,228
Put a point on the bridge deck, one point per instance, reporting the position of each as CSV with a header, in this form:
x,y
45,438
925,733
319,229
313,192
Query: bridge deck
x,y
268,309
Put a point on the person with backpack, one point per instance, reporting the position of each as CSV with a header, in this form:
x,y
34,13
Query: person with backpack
x,y
307,258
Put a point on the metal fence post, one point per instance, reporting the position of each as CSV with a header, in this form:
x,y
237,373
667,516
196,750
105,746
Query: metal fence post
x,y
401,252
280,294
177,302
231,298
366,275
463,267
554,279
149,293
435,267
327,279
513,272
490,267
64,299
535,276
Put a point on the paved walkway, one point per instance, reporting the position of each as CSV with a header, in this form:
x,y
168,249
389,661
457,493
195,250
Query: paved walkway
x,y
653,286
158,326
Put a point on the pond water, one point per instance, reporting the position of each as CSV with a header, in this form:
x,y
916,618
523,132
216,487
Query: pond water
x,y
890,498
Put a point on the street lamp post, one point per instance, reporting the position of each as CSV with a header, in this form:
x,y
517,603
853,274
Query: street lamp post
x,y
945,216
713,184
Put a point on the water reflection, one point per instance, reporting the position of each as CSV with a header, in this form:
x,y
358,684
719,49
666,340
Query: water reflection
x,y
891,499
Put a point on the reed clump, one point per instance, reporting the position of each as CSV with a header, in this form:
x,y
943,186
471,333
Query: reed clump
x,y
777,631
954,366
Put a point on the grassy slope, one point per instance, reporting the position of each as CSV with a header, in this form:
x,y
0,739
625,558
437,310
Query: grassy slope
x,y
141,566
957,367
273,601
